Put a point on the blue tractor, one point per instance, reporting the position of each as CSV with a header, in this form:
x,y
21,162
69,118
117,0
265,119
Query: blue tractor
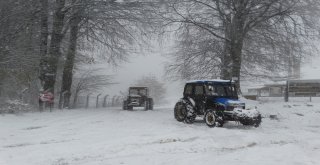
x,y
217,101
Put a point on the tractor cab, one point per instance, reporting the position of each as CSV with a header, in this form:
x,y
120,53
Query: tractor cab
x,y
138,97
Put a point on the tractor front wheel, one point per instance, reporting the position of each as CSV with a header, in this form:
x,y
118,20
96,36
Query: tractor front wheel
x,y
258,121
210,118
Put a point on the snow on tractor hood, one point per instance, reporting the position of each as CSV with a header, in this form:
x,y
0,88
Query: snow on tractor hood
x,y
229,102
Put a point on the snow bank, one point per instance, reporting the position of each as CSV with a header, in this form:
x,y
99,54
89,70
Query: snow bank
x,y
14,106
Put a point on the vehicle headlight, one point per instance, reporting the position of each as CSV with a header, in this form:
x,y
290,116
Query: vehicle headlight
x,y
236,105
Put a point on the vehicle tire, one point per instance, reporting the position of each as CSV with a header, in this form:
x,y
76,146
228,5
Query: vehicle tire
x,y
125,105
180,111
257,121
150,103
220,121
210,118
130,108
146,105
191,113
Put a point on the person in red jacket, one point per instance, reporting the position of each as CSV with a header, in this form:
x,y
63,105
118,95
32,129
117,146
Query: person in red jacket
x,y
47,98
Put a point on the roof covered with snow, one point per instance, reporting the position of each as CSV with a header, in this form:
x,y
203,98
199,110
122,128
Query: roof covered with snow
x,y
212,80
305,81
137,87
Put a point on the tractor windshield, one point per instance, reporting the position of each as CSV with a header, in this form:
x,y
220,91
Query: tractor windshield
x,y
221,90
140,92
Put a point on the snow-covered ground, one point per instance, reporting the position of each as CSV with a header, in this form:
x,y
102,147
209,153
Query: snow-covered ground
x,y
113,136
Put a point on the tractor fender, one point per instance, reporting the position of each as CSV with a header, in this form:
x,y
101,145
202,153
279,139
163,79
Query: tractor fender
x,y
192,101
190,105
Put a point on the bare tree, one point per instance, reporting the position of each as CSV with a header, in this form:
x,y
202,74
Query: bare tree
x,y
115,27
69,62
233,25
55,45
44,33
197,56
87,82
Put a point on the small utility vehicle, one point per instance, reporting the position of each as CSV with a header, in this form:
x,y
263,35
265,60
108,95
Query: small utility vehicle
x,y
217,101
138,97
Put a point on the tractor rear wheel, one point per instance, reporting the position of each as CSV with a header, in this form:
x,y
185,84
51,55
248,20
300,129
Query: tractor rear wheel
x,y
146,105
191,113
125,105
180,111
150,100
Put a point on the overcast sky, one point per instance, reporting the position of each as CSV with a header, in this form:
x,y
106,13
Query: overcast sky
x,y
154,63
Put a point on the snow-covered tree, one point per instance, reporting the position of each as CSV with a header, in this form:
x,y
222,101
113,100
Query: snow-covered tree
x,y
19,42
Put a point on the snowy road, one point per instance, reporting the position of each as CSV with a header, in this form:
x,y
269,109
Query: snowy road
x,y
113,136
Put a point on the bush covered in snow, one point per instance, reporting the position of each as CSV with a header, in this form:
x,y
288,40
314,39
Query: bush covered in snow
x,y
14,106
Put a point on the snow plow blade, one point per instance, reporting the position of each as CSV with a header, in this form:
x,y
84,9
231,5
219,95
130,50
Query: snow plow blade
x,y
250,117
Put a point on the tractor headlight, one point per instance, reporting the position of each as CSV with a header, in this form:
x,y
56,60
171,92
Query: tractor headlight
x,y
237,105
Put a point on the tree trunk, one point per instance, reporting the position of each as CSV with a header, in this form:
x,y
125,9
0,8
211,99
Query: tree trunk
x,y
235,44
43,39
297,68
226,61
69,63
236,55
55,44
75,100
